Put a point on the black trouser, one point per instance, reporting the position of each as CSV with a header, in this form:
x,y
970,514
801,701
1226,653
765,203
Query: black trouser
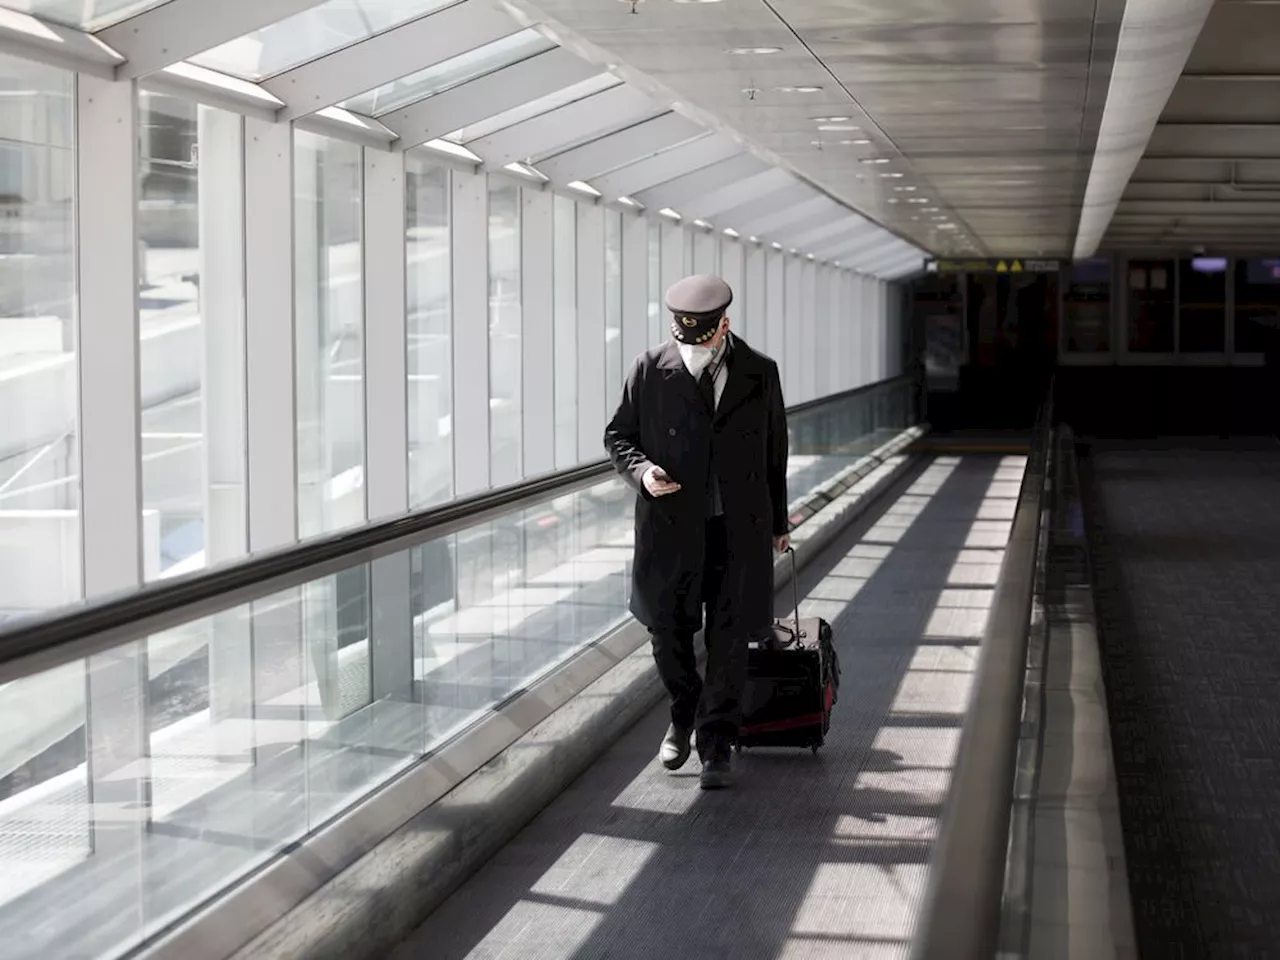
x,y
714,706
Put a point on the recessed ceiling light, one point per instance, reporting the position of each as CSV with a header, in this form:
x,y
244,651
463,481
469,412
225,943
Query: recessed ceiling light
x,y
836,263
894,200
891,176
812,257
702,223
731,233
754,239
629,202
855,143
754,51
907,189
917,199
668,212
582,187
776,245
794,250
838,127
876,160
801,89
830,119
930,209
946,226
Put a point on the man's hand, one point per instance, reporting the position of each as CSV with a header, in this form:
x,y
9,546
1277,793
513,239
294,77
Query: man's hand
x,y
782,544
658,483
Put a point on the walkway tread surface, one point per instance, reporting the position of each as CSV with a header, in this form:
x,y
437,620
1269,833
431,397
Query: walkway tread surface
x,y
1186,551
808,856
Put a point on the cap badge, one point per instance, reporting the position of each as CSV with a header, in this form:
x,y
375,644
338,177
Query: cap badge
x,y
689,322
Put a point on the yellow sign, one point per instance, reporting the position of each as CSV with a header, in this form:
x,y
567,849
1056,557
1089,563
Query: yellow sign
x,y
1002,267
1017,267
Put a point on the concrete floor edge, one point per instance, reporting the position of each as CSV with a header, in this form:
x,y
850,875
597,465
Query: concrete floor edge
x,y
367,909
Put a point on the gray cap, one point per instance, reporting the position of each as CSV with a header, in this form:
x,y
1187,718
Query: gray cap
x,y
697,304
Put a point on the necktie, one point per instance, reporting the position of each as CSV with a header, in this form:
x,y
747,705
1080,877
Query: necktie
x,y
707,387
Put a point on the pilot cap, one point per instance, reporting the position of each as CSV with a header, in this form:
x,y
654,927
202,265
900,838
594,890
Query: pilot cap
x,y
697,304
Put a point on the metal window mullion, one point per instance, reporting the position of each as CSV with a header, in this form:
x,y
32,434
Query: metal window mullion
x,y
757,312
808,330
469,261
774,334
792,325
672,262
107,358
591,330
635,290
732,269
537,340
384,264
271,356
386,335
823,327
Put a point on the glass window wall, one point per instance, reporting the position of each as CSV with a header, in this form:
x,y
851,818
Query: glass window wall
x,y
1257,306
39,482
505,329
329,284
1202,305
1151,306
191,330
1086,301
430,327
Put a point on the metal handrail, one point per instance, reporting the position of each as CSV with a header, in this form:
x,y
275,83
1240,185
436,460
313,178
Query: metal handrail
x,y
69,633
961,915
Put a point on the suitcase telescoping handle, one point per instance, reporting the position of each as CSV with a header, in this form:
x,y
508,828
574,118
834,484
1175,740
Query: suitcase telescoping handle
x,y
795,590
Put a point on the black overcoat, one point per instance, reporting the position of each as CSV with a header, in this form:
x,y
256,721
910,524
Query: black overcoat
x,y
662,419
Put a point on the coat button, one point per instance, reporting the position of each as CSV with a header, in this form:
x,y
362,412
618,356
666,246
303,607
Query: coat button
x,y
671,431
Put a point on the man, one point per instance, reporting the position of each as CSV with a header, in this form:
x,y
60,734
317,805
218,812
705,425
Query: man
x,y
701,435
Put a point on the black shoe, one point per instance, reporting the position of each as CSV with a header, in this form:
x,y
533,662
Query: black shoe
x,y
716,773
675,747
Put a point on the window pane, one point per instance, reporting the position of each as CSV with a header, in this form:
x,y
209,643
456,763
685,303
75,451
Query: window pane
x,y
430,327
1150,285
330,334
505,452
453,72
90,15
1257,304
39,483
1202,305
533,108
613,307
565,258
1087,305
310,34
191,328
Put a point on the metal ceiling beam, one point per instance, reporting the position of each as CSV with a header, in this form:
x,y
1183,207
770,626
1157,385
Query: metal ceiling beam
x,y
676,162
797,216
596,115
694,190
766,204
24,36
1156,38
733,192
487,96
388,56
619,149
851,223
178,29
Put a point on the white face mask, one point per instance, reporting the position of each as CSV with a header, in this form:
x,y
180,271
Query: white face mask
x,y
697,357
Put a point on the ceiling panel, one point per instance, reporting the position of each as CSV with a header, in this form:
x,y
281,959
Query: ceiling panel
x,y
949,94
1211,173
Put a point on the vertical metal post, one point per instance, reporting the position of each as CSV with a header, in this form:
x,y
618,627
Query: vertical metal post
x,y
386,359
537,342
469,225
591,329
635,289
111,492
223,407
774,334
757,312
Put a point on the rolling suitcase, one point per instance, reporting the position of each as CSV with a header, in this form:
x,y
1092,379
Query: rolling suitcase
x,y
792,679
